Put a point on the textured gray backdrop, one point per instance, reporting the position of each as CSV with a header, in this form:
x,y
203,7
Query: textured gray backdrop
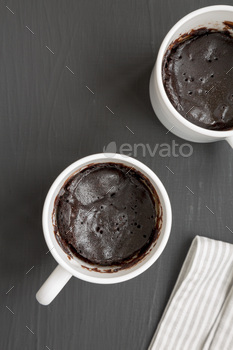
x,y
49,118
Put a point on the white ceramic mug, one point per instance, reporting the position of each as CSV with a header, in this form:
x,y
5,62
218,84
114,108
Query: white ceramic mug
x,y
209,17
74,267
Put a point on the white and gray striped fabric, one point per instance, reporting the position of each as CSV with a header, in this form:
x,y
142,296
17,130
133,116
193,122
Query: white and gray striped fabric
x,y
199,313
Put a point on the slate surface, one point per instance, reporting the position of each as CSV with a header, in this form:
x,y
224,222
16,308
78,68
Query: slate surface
x,y
49,118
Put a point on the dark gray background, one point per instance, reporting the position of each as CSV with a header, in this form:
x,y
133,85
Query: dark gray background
x,y
49,119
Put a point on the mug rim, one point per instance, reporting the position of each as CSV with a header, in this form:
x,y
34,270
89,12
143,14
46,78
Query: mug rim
x,y
162,50
167,219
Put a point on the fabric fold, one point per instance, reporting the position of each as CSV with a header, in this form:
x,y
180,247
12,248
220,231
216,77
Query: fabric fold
x,y
199,313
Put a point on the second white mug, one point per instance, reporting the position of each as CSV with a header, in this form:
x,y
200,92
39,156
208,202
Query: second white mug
x,y
209,17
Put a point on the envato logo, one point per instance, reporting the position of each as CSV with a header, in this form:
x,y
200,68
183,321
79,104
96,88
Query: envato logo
x,y
164,149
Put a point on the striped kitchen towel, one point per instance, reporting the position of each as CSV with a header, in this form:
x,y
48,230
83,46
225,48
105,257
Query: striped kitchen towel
x,y
199,313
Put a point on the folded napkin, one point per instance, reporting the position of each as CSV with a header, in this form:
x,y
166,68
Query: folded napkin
x,y
199,313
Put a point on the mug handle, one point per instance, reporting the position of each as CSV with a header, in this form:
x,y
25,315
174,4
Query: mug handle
x,y
230,141
53,285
